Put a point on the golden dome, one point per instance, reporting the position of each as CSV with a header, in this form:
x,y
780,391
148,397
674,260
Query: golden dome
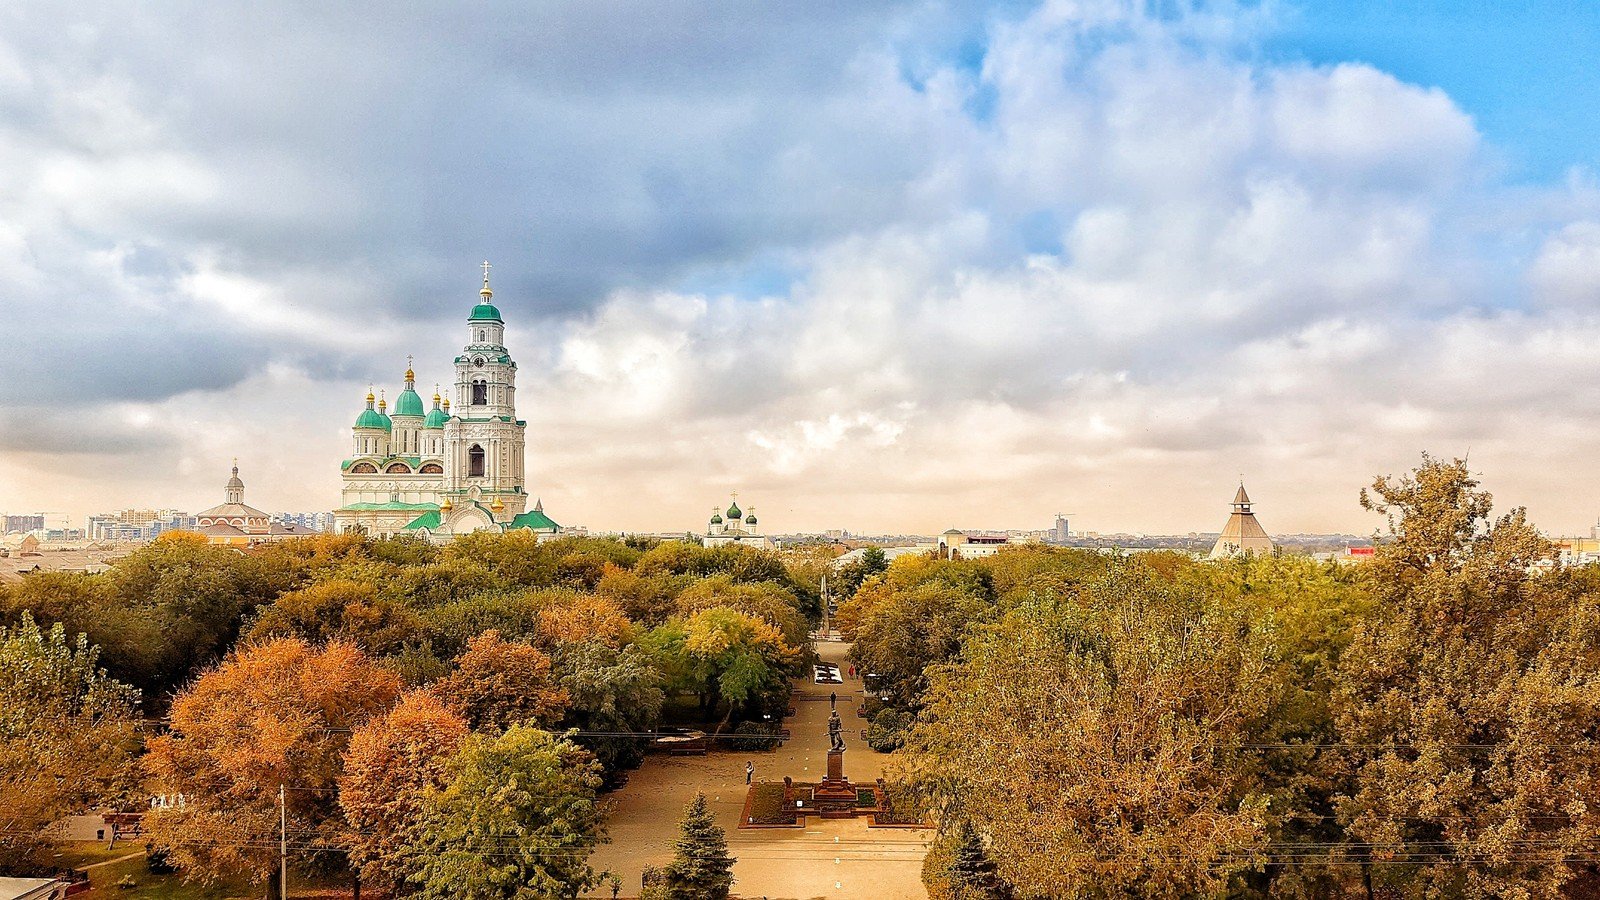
x,y
445,504
410,375
371,396
497,505
447,403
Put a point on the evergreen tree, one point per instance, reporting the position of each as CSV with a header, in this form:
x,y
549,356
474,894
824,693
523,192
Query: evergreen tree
x,y
701,868
972,872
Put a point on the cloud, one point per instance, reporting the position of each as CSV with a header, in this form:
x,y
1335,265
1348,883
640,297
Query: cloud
x,y
881,267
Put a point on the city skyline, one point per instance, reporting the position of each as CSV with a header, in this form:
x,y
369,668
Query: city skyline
x,y
888,269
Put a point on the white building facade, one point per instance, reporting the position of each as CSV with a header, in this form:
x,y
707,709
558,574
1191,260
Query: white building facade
x,y
454,468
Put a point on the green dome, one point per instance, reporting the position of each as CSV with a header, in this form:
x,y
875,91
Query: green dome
x,y
436,418
734,512
371,418
408,404
716,518
485,312
750,519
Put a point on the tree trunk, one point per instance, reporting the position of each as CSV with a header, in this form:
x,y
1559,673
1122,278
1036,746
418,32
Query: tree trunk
x,y
274,886
355,893
1366,878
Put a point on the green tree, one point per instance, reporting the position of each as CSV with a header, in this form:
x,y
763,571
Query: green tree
x,y
68,734
701,868
723,655
971,874
611,691
516,820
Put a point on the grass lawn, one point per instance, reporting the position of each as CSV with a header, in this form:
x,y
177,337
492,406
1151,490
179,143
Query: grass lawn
x,y
155,887
77,854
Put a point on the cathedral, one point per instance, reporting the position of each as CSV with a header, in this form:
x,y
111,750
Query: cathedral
x,y
445,470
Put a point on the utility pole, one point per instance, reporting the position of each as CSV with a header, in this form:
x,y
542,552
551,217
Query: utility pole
x,y
283,847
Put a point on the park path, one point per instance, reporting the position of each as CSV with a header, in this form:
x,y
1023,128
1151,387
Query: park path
x,y
835,859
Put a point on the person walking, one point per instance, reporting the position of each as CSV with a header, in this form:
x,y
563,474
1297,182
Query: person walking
x,y
833,698
749,771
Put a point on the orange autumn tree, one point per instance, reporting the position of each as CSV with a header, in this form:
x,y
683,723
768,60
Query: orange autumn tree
x,y
499,683
391,762
584,617
270,715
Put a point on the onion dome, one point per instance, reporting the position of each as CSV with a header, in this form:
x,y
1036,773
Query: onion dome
x,y
371,418
485,311
716,517
436,416
383,412
734,512
445,505
751,519
409,403
497,506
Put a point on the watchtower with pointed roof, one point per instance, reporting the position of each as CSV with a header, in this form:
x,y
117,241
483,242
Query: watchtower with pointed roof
x,y
1243,532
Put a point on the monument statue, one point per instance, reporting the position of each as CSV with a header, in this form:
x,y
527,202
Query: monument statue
x,y
835,730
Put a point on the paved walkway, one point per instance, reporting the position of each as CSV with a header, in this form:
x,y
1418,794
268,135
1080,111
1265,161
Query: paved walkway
x,y
836,859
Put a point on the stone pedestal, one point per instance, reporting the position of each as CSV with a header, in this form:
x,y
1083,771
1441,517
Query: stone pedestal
x,y
836,796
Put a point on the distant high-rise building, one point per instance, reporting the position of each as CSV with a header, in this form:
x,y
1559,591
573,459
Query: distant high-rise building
x,y
1242,534
1062,531
18,524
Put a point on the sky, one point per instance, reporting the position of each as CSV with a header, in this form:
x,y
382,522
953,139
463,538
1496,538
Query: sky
x,y
884,266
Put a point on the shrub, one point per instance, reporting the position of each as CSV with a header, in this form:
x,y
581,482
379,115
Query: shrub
x,y
888,729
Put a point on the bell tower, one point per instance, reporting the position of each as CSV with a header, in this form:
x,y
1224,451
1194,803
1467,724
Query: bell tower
x,y
484,440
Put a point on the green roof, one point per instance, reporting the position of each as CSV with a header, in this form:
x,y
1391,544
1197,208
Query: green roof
x,y
408,404
426,520
536,520
485,312
371,418
436,418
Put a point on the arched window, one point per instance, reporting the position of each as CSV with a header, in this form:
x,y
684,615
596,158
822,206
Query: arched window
x,y
398,468
475,461
364,469
480,394
432,469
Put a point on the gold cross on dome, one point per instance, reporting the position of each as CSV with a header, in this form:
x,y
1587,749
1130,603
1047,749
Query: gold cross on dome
x,y
486,268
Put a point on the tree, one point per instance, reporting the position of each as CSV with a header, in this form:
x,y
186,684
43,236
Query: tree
x,y
498,684
1093,737
1467,699
701,868
272,715
342,609
911,630
67,734
515,820
722,654
611,691
766,600
960,869
583,617
391,762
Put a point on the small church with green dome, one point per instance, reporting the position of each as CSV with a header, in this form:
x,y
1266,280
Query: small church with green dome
x,y
734,527
451,469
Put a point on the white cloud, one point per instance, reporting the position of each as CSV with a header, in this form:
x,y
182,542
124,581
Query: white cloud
x,y
1112,267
